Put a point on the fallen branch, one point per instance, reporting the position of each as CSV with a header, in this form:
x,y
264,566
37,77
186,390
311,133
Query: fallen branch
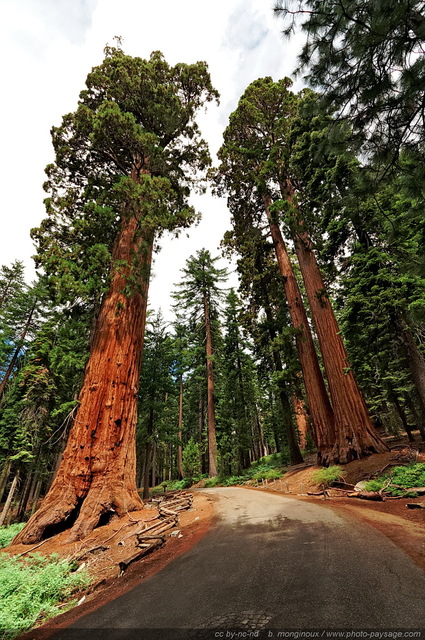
x,y
367,495
139,554
84,554
32,548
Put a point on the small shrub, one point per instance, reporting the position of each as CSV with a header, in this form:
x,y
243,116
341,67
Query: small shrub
x,y
406,477
32,588
327,476
191,460
232,481
212,482
8,533
373,485
268,474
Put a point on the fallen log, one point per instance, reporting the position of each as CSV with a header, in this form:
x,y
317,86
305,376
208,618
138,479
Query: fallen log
x,y
160,525
123,564
415,505
366,495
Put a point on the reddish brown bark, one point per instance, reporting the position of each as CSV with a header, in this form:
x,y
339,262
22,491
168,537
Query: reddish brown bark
x,y
301,420
212,443
355,435
320,407
97,472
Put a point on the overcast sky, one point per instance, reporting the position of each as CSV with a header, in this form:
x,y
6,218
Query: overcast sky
x,y
49,46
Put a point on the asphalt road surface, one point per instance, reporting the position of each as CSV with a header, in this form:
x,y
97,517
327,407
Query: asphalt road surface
x,y
270,565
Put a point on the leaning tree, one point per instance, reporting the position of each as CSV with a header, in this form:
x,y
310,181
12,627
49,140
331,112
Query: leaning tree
x,y
125,162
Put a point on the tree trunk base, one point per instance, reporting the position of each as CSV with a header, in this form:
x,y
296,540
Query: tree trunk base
x,y
78,514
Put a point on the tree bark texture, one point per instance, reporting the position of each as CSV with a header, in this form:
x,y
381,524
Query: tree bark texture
x,y
212,443
97,472
301,420
319,405
355,435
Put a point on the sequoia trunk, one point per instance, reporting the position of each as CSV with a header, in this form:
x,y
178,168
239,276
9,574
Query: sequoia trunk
x,y
355,435
319,405
96,476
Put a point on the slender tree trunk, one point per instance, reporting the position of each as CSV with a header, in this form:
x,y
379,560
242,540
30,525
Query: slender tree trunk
x,y
36,495
201,421
294,449
148,452
262,447
4,476
32,488
153,470
212,443
25,495
97,472
417,416
9,499
355,435
180,429
415,358
392,394
301,420
319,405
146,470
12,363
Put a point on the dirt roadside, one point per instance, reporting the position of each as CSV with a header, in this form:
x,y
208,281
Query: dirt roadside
x,y
108,584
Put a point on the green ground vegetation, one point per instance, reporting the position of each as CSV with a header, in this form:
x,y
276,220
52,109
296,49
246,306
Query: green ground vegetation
x,y
399,479
34,589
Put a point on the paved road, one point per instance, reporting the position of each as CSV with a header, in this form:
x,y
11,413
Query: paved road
x,y
270,562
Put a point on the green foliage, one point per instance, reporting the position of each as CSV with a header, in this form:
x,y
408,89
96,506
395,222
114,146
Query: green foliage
x,y
213,482
31,590
132,148
272,474
191,460
172,485
7,533
274,460
326,477
351,54
399,479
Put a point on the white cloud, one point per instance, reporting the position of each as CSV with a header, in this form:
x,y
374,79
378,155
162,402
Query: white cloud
x,y
49,46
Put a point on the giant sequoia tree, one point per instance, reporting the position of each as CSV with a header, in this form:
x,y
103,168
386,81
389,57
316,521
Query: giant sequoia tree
x,y
258,174
125,161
